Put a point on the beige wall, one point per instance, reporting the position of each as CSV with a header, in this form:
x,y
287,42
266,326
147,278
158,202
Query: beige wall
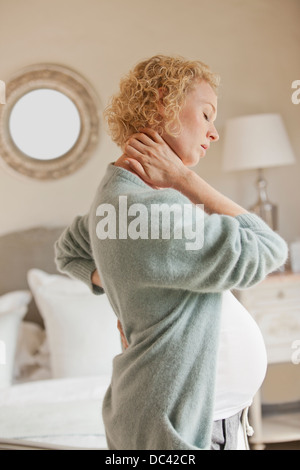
x,y
253,44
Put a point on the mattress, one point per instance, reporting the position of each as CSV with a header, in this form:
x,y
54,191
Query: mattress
x,y
57,413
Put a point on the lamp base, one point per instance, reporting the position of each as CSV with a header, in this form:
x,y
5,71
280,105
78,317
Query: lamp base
x,y
264,208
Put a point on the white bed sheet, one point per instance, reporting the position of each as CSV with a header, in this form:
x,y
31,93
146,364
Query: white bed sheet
x,y
63,412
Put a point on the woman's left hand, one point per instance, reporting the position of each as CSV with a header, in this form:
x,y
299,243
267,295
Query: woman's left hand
x,y
96,278
151,158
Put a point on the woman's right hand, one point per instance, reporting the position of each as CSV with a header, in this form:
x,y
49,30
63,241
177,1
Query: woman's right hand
x,y
151,158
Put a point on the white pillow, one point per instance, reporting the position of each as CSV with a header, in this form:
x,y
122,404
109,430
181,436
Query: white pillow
x,y
13,307
81,326
32,359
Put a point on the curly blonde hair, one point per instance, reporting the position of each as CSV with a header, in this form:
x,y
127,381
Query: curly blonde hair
x,y
138,103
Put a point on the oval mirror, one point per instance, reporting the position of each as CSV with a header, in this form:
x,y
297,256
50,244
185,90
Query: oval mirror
x,y
49,126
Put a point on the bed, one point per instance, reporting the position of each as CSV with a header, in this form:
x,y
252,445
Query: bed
x,y
57,344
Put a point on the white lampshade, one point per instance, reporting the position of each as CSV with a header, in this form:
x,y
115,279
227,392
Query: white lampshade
x,y
2,92
256,141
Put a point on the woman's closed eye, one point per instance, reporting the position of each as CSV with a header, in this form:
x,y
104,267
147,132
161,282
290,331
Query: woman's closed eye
x,y
206,117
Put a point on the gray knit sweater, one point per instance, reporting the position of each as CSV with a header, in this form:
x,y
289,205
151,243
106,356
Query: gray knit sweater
x,y
168,299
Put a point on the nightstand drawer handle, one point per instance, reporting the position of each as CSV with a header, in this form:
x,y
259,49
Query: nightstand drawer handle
x,y
280,295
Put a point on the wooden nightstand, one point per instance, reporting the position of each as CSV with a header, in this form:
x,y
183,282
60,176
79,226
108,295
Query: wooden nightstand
x,y
275,306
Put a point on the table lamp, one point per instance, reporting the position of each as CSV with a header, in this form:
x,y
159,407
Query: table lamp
x,y
257,141
2,92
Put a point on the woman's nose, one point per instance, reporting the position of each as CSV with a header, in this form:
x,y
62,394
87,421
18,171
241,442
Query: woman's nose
x,y
213,134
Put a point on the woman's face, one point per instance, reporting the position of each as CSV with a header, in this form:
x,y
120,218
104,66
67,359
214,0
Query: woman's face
x,y
197,118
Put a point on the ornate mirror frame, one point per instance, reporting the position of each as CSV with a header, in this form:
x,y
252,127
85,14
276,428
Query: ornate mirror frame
x,y
75,87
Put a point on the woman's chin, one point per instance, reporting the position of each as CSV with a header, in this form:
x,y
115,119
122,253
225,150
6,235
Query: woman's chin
x,y
191,158
192,162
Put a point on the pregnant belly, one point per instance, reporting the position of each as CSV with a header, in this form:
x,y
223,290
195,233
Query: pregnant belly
x,y
242,359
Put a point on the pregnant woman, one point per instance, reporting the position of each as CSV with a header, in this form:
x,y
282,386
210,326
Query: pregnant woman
x,y
167,248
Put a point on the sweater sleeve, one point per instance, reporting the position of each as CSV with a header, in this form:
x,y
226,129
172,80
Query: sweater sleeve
x,y
73,253
237,252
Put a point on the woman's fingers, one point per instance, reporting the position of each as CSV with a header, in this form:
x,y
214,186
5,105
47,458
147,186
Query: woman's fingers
x,y
152,134
141,145
137,167
133,146
146,136
133,149
140,139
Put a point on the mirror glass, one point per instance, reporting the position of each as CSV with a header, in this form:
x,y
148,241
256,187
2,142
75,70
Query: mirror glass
x,y
44,124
